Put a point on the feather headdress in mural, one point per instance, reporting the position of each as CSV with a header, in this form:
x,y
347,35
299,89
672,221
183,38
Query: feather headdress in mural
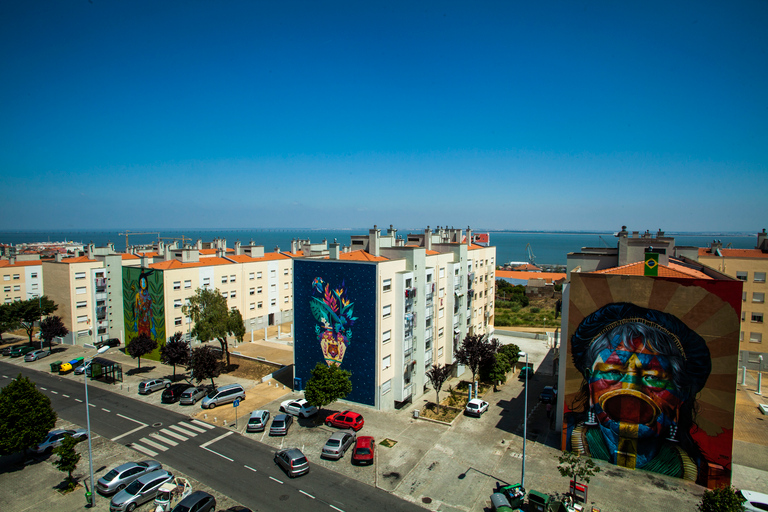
x,y
333,312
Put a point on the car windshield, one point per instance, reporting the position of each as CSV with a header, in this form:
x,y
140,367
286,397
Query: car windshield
x,y
212,394
186,394
300,460
333,443
110,476
472,406
363,451
134,487
254,421
277,423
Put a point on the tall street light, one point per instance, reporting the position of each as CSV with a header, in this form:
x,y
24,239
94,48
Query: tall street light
x,y
87,365
525,414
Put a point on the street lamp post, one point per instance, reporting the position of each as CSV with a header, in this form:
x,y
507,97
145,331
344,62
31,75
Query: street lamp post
x,y
525,415
89,494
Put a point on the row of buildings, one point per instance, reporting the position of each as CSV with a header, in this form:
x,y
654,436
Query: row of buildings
x,y
386,307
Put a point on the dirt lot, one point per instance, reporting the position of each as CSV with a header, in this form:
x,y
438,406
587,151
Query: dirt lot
x,y
249,369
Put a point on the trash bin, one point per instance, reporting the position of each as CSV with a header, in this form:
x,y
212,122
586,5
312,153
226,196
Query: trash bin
x,y
499,502
515,494
538,501
55,366
416,413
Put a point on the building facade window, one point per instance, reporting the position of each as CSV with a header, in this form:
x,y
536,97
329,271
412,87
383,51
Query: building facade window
x,y
252,276
758,297
387,285
33,275
232,294
78,275
82,319
177,321
252,291
285,272
441,313
741,275
223,279
258,275
273,302
225,295
386,362
80,290
440,352
177,285
258,290
206,281
232,279
187,284
261,305
17,287
440,332
286,300
386,336
386,387
757,318
253,306
442,272
755,337
176,303
387,311
759,277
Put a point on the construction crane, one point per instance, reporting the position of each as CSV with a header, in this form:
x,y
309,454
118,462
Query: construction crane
x,y
182,238
531,256
127,233
603,240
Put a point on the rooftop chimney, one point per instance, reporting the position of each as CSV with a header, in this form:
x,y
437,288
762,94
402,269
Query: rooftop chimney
x,y
238,250
334,250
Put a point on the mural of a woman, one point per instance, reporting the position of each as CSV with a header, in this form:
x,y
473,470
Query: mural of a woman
x,y
642,370
333,312
144,321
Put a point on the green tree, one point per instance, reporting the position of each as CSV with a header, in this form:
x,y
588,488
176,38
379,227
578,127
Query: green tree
x,y
51,327
8,320
499,369
29,311
141,346
474,351
437,376
236,326
512,353
68,458
213,319
26,416
573,466
327,384
205,363
722,499
175,352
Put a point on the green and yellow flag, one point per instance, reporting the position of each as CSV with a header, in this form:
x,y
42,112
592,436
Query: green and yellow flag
x,y
651,264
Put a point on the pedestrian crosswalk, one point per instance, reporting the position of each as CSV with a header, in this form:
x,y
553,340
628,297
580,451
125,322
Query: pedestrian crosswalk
x,y
166,438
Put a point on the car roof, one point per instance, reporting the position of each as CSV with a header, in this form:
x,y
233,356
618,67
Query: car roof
x,y
755,496
279,417
180,386
364,440
151,476
475,401
293,453
194,498
259,413
339,435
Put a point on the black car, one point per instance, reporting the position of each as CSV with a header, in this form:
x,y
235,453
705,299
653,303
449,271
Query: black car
x,y
111,342
173,394
199,501
548,395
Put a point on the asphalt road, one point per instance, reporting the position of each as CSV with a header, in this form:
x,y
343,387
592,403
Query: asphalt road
x,y
234,465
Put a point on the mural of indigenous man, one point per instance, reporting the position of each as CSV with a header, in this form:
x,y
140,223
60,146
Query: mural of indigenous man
x,y
144,321
636,408
333,312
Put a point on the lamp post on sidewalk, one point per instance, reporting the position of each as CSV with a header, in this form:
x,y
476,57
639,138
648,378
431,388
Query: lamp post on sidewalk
x,y
525,415
89,493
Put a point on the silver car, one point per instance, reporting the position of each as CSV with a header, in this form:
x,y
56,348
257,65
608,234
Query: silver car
x,y
292,461
139,491
280,425
257,421
116,479
36,354
337,444
55,437
148,386
192,394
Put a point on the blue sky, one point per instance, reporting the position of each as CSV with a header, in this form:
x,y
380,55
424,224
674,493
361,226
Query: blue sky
x,y
498,115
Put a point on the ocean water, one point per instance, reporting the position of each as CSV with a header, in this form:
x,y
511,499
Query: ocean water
x,y
548,248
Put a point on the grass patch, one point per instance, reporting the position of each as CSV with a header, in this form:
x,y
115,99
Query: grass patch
x,y
446,414
389,443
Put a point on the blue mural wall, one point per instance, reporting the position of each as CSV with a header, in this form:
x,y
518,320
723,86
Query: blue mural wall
x,y
335,322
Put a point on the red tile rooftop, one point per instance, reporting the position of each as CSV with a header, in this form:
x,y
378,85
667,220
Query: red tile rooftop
x,y
129,256
26,263
78,259
174,264
638,269
360,256
734,253
523,275
244,258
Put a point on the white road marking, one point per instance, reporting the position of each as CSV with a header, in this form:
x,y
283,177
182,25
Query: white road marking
x,y
133,420
130,431
44,389
202,424
5,376
249,467
173,434
78,400
335,508
54,392
145,451
91,405
182,430
153,444
105,410
276,480
217,453
167,441
190,426
306,494
217,439
65,396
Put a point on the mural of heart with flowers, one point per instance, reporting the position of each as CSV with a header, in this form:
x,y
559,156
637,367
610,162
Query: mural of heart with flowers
x,y
333,312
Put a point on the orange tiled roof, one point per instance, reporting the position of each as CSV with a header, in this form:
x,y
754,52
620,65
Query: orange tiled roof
x,y
360,255
638,269
25,263
735,253
522,275
149,254
129,256
174,264
432,253
472,247
213,251
78,259
244,258
527,268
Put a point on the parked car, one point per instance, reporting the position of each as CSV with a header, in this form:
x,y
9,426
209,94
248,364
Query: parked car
x,y
292,461
754,501
117,478
192,394
223,395
148,386
111,342
173,394
55,437
258,421
345,419
21,350
364,450
36,354
238,508
198,501
80,369
7,350
298,407
476,407
280,425
139,491
526,372
338,444
548,395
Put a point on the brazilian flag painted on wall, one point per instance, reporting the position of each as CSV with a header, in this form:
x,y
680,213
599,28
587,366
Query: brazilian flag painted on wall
x,y
651,264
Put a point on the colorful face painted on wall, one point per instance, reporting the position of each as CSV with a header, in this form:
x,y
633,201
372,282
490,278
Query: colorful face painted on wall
x,y
334,314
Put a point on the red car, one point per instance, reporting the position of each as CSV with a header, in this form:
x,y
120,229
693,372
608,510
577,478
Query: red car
x,y
363,452
345,419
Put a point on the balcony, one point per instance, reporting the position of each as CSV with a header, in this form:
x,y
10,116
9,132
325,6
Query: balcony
x,y
101,313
